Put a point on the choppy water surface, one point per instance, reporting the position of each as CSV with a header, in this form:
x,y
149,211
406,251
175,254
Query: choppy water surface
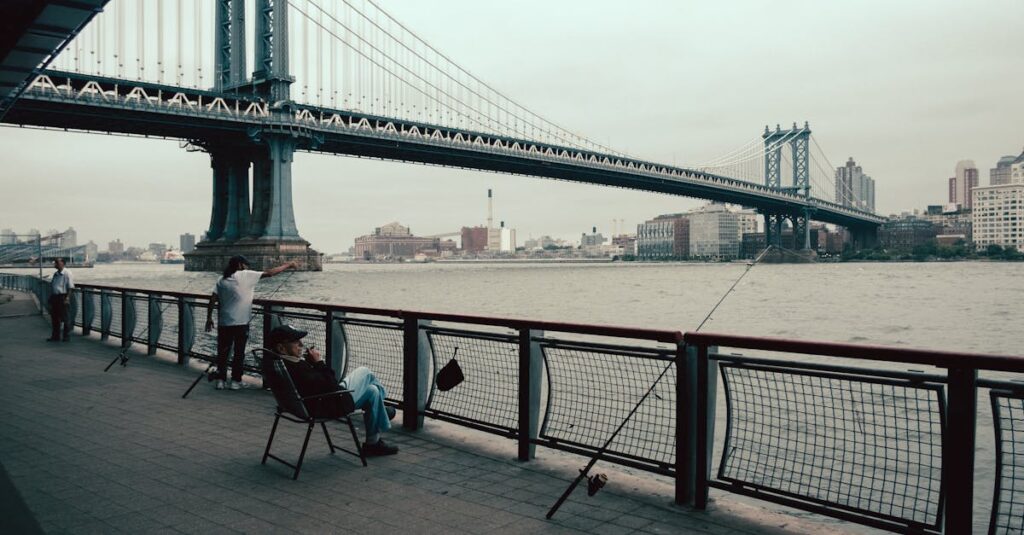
x,y
967,306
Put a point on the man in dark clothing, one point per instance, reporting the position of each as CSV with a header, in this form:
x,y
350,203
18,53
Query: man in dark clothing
x,y
61,285
313,376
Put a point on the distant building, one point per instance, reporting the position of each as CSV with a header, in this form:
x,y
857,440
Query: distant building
x,y
960,186
187,243
664,237
714,233
853,188
950,220
158,249
7,237
392,241
501,239
594,239
998,216
1000,174
906,232
755,242
91,251
626,242
115,248
747,221
1017,170
69,238
474,239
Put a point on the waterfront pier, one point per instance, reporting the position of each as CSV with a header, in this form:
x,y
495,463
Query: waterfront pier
x,y
813,426
90,452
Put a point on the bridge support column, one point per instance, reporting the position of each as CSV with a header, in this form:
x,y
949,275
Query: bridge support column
x,y
219,211
274,169
237,222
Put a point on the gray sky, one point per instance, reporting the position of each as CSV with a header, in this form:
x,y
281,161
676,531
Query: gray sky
x,y
907,89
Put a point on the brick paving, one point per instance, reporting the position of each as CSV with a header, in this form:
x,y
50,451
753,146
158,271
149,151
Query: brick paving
x,y
94,452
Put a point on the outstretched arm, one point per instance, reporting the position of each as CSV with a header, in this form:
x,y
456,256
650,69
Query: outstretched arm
x,y
209,313
280,269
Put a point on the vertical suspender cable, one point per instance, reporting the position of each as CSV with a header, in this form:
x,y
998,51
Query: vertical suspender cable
x,y
119,37
181,41
198,39
140,38
160,41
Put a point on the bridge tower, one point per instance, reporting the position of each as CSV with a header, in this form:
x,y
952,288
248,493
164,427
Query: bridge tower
x,y
798,140
265,233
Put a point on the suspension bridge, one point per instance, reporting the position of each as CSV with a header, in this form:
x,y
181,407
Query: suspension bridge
x,y
346,78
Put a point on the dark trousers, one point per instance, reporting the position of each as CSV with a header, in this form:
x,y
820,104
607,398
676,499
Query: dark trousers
x,y
58,315
233,336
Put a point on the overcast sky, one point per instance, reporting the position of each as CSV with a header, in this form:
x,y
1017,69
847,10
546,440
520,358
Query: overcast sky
x,y
906,88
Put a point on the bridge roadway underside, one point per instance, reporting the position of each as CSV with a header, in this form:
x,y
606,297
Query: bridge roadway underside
x,y
194,127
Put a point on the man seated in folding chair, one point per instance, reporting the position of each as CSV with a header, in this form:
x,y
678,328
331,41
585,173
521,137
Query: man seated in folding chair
x,y
313,376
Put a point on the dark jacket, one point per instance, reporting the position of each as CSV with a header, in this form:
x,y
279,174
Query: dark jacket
x,y
312,379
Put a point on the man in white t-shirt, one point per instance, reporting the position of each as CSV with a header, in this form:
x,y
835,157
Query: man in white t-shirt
x,y
234,293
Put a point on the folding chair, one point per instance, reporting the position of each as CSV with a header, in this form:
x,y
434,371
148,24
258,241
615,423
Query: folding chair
x,y
291,407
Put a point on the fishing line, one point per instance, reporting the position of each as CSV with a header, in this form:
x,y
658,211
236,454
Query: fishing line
x,y
206,373
596,482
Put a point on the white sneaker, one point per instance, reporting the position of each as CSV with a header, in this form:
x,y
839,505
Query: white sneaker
x,y
220,384
235,385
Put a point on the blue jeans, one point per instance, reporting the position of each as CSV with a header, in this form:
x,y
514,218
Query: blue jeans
x,y
368,395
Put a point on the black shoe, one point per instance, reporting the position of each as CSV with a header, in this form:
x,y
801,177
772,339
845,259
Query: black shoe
x,y
378,449
391,412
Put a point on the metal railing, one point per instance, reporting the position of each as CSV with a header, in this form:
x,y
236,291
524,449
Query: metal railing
x,y
889,449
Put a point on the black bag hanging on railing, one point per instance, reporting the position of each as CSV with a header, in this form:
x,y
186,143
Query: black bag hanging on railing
x,y
450,375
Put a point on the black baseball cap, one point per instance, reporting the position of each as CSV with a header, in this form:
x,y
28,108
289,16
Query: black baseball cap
x,y
239,259
282,334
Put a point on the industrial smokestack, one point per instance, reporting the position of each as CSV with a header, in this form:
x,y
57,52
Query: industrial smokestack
x,y
593,230
490,210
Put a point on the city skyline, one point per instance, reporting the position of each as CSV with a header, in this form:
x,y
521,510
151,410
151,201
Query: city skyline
x,y
900,118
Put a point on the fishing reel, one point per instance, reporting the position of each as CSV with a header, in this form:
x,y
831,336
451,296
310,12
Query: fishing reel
x,y
595,483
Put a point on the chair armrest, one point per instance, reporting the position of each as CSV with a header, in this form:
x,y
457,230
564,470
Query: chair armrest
x,y
328,394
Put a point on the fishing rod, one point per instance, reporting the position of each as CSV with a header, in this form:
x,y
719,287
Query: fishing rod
x,y
206,373
123,354
597,481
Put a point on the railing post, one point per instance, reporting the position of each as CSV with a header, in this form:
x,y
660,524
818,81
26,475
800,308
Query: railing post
x,y
531,362
106,314
684,447
335,342
186,330
127,319
270,320
155,323
415,372
697,388
958,449
88,312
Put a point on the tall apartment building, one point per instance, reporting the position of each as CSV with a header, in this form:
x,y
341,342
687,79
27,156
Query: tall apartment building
x,y
1000,174
187,242
960,185
666,236
714,233
69,238
854,188
998,213
748,222
115,248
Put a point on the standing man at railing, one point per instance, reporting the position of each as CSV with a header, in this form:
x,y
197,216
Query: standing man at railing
x,y
234,293
61,285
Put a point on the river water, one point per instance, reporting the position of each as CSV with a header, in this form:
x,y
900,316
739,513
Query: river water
x,y
964,306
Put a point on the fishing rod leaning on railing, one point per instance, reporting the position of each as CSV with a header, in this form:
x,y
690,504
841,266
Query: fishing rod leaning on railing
x,y
597,481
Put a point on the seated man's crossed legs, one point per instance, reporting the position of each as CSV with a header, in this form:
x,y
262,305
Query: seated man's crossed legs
x,y
368,395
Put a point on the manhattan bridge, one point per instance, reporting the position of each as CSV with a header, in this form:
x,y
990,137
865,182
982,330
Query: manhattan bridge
x,y
253,82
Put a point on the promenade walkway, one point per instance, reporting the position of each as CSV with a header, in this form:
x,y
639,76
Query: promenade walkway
x,y
94,452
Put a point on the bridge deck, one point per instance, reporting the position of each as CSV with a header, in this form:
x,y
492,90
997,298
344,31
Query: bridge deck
x,y
122,452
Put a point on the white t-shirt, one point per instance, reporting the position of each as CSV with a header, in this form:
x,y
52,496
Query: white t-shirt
x,y
62,283
235,294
